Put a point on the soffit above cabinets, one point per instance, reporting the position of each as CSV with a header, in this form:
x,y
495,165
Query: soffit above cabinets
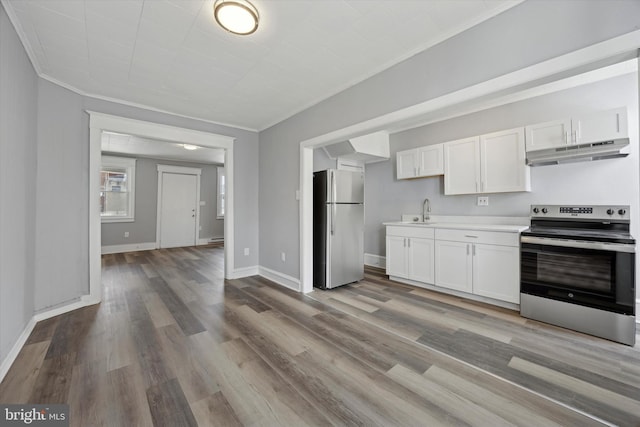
x,y
170,55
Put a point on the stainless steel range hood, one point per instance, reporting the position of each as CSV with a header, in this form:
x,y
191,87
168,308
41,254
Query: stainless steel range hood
x,y
578,153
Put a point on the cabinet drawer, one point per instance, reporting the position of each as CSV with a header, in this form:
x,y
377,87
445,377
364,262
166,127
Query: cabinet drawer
x,y
418,232
473,236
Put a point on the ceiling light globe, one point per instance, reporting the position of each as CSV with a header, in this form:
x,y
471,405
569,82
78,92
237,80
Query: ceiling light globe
x,y
236,16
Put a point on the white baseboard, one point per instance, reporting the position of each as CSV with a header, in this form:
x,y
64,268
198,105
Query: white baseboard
x,y
15,350
280,278
375,260
134,247
210,240
239,273
84,301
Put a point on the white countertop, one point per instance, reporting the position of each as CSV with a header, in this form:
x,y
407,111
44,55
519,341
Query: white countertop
x,y
480,223
463,226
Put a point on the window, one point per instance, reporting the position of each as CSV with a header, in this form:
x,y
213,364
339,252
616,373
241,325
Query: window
x,y
117,187
221,191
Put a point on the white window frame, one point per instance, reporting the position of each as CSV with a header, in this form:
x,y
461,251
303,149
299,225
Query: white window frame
x,y
129,165
221,192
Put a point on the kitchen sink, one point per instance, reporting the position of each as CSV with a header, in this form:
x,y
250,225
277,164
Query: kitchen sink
x,y
420,221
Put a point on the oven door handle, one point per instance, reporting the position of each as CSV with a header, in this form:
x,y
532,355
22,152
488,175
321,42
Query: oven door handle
x,y
599,246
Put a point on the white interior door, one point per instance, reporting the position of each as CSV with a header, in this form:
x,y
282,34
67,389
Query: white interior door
x,y
178,210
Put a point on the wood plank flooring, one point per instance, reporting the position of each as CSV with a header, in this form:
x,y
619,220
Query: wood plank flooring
x,y
173,344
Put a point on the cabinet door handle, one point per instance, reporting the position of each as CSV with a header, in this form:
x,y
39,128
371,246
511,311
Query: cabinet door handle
x,y
404,242
476,185
408,243
473,248
618,123
566,137
467,249
471,236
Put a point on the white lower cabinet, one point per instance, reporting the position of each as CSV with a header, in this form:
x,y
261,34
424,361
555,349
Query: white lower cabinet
x,y
484,263
421,260
397,256
408,256
454,265
496,272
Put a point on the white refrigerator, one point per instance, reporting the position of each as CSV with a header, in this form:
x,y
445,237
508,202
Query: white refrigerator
x,y
338,228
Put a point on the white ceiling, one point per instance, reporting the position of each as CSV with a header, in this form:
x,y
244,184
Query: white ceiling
x,y
142,147
170,55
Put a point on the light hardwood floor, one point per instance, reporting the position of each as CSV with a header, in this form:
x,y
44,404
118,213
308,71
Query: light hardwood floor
x,y
173,344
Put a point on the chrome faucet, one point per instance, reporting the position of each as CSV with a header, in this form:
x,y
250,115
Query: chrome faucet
x,y
426,210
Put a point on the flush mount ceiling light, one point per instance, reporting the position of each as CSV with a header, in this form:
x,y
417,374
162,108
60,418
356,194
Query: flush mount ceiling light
x,y
189,147
236,16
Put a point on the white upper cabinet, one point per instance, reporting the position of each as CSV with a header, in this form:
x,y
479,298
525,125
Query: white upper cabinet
x,y
503,162
548,135
601,126
462,166
406,164
491,163
420,162
596,127
431,160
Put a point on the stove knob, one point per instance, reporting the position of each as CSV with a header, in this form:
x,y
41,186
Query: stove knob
x,y
622,212
545,210
536,210
610,211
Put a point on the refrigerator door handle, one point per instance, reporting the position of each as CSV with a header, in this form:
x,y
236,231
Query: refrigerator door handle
x,y
333,218
334,196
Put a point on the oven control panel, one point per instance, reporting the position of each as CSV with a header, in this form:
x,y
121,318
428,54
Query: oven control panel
x,y
597,212
575,210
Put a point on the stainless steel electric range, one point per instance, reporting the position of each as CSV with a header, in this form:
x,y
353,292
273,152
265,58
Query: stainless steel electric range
x,y
577,270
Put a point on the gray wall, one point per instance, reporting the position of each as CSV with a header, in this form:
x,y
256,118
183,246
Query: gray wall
x,y
62,224
44,188
527,34
62,209
143,229
18,112
600,182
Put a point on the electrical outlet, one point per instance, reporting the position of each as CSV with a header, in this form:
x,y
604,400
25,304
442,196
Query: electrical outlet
x,y
483,201
126,234
283,257
246,251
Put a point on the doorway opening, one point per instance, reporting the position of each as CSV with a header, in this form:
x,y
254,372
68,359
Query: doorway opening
x,y
103,123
